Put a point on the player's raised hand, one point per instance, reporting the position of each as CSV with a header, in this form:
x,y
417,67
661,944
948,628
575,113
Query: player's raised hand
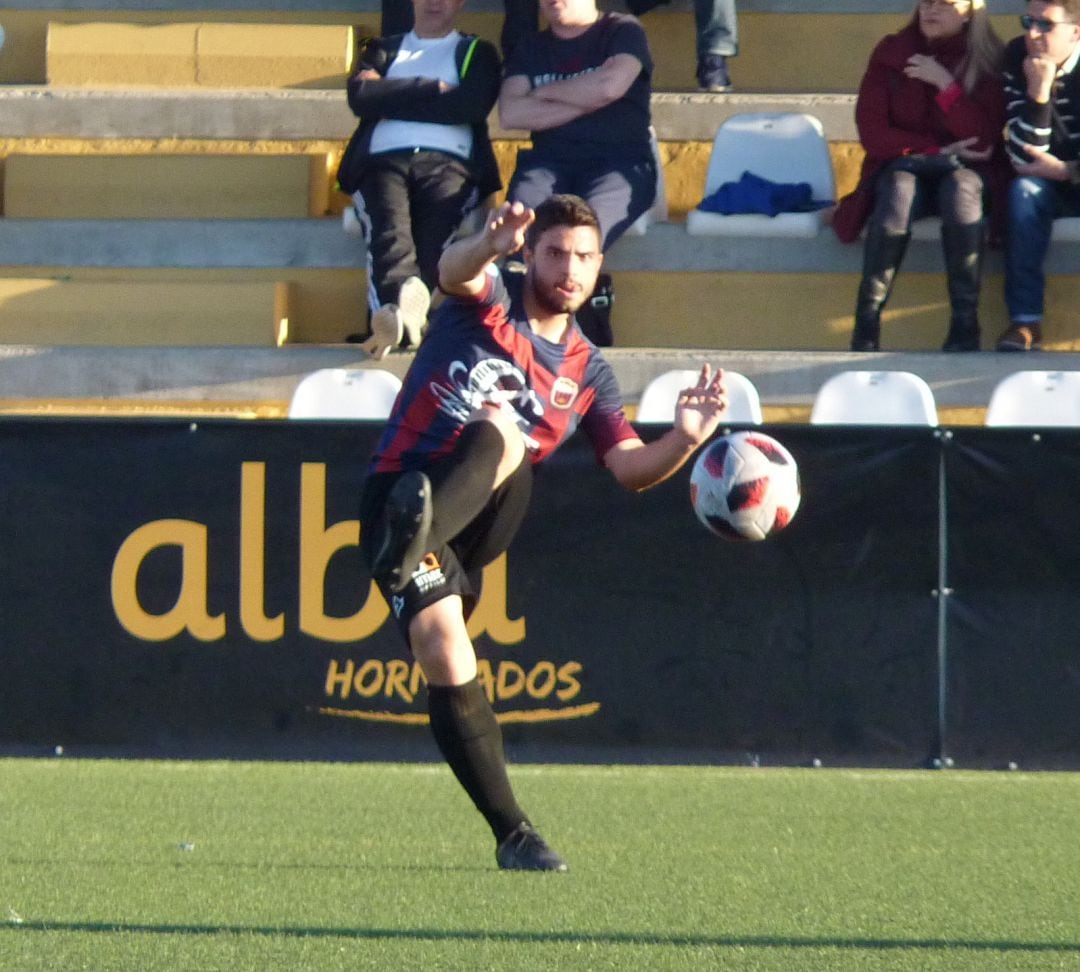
x,y
464,263
698,409
506,226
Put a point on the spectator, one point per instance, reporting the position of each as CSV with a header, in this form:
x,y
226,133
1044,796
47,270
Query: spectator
x,y
930,113
521,19
419,160
582,88
1042,88
717,31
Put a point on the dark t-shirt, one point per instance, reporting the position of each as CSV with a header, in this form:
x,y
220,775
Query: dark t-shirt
x,y
618,132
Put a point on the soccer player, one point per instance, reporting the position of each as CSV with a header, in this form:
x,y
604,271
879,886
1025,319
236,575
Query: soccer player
x,y
503,377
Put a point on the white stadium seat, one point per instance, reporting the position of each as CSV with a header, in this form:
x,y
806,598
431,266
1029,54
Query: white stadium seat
x,y
345,393
783,147
1036,398
657,403
874,398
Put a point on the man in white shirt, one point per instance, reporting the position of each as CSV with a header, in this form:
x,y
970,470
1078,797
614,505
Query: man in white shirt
x,y
420,159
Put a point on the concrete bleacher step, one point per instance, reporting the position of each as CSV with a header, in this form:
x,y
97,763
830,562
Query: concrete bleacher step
x,y
297,114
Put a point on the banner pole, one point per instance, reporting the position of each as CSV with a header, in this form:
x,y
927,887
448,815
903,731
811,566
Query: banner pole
x,y
940,758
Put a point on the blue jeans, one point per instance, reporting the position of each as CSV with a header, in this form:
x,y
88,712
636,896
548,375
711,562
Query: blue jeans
x,y
716,28
1034,204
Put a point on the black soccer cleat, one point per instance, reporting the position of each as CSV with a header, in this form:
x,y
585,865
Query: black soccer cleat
x,y
525,850
404,525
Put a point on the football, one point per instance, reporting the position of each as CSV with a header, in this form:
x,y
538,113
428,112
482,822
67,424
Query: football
x,y
745,486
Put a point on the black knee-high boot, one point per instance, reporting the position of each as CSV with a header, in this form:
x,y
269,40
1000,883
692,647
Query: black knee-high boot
x,y
964,246
882,255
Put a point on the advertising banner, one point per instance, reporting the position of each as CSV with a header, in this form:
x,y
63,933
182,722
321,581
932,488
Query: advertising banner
x,y
196,588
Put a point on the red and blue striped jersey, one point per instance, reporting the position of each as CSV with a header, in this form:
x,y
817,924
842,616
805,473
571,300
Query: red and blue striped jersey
x,y
482,350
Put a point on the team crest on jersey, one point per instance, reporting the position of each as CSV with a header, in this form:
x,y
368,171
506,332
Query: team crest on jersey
x,y
564,392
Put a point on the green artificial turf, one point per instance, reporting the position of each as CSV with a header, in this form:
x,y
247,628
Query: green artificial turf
x,y
235,866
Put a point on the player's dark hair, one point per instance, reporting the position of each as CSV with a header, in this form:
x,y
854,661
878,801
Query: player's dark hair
x,y
563,209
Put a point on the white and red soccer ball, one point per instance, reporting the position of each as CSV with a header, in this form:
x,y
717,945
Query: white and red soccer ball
x,y
745,486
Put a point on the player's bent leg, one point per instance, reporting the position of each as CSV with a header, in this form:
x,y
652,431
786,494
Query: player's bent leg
x,y
513,442
490,534
401,533
423,511
440,643
468,734
488,450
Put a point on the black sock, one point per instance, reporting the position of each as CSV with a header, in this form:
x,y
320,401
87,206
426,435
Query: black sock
x,y
470,740
464,491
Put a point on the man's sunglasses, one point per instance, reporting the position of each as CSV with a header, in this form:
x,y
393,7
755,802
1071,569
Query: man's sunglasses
x,y
1041,24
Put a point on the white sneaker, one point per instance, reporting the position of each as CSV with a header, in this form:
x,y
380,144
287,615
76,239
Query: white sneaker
x,y
414,302
386,331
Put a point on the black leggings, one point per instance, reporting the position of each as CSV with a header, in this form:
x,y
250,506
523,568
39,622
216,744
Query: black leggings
x,y
956,196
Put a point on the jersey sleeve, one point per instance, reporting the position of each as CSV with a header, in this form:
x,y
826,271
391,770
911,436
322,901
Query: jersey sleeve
x,y
494,291
605,423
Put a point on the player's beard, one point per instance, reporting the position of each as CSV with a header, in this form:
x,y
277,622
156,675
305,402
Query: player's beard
x,y
545,296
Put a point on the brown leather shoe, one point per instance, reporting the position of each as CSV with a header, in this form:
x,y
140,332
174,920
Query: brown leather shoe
x,y
1021,337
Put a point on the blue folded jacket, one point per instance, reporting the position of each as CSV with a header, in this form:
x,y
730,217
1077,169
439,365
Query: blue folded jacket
x,y
753,194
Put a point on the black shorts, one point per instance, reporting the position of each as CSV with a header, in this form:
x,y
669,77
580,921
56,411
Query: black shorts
x,y
455,567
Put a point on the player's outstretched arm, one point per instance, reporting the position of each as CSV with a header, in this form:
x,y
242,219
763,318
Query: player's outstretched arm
x,y
698,411
462,264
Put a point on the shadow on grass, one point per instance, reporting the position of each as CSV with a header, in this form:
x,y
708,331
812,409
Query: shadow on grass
x,y
568,937
189,861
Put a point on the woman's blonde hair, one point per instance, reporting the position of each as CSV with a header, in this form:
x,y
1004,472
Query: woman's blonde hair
x,y
984,47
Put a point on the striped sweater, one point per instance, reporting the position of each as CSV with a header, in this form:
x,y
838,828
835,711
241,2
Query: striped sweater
x,y
1055,125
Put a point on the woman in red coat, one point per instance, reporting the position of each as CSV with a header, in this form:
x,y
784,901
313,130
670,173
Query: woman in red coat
x,y
930,114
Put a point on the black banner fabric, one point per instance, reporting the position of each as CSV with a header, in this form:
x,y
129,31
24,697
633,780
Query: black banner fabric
x,y
816,642
1013,637
196,588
